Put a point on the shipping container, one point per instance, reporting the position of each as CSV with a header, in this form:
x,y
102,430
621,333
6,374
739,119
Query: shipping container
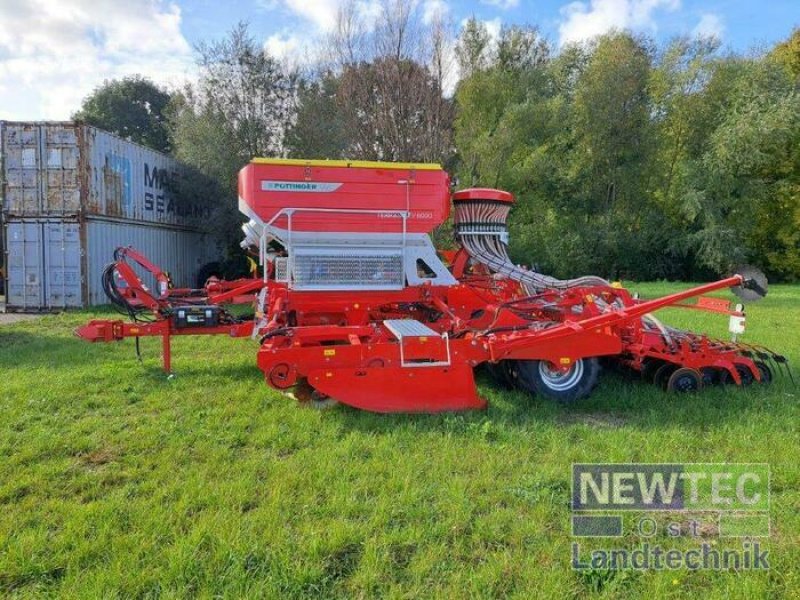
x,y
69,195
57,263
67,169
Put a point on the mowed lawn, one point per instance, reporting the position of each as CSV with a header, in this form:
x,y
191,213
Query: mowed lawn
x,y
116,482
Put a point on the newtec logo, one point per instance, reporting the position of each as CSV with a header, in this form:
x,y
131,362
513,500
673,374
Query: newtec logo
x,y
682,486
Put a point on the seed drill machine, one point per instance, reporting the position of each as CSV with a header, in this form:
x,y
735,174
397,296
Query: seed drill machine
x,y
353,302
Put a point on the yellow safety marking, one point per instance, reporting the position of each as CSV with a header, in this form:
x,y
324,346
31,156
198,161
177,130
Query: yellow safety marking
x,y
299,162
329,352
565,361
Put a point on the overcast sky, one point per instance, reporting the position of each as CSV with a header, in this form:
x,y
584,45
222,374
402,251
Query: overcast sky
x,y
54,52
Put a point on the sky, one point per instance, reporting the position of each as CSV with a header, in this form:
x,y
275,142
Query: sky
x,y
55,52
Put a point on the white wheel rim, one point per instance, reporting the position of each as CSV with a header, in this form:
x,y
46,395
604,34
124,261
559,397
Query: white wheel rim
x,y
559,381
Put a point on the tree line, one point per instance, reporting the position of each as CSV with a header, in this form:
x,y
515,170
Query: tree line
x,y
628,158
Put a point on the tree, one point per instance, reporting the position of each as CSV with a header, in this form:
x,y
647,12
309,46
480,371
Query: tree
x,y
787,53
389,84
240,108
133,108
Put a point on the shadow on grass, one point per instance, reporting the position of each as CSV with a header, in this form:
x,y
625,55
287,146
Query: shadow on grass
x,y
618,403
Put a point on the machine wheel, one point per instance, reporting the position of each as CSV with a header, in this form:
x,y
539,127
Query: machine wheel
x,y
766,372
308,397
504,372
320,401
685,380
540,377
662,375
510,373
711,376
649,368
746,375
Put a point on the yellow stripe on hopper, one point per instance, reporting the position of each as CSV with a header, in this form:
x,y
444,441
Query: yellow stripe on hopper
x,y
300,162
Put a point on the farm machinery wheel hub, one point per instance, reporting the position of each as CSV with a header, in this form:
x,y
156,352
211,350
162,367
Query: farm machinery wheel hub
x,y
354,304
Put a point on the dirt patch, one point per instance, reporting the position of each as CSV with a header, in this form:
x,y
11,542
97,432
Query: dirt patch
x,y
96,458
598,420
8,318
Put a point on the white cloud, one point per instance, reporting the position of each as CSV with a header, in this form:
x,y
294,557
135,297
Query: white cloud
x,y
710,25
53,53
321,13
433,10
502,4
585,20
493,27
284,45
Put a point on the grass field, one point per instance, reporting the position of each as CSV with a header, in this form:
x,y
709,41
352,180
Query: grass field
x,y
115,482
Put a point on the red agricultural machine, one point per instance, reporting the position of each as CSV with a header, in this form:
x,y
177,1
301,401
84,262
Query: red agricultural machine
x,y
353,303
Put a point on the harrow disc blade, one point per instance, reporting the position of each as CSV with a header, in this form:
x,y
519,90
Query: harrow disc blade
x,y
755,284
401,389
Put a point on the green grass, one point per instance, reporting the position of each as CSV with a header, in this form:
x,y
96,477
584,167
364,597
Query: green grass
x,y
117,482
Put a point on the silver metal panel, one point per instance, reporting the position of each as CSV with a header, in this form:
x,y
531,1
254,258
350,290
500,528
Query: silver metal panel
x,y
403,328
41,168
131,182
25,278
44,266
179,252
64,169
340,269
62,264
281,268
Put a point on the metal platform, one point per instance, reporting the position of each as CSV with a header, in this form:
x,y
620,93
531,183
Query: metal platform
x,y
403,328
414,336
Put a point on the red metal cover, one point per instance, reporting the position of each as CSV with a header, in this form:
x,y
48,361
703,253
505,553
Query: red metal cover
x,y
269,186
472,194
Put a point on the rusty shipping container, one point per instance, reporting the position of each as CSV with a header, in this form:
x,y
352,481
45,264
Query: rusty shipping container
x,y
70,194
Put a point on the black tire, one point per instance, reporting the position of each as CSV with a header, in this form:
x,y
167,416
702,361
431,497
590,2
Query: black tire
x,y
745,375
766,372
711,376
510,373
662,374
505,373
685,380
212,269
538,377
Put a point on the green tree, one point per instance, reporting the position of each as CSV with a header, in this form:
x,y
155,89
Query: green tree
x,y
133,108
787,53
240,108
319,129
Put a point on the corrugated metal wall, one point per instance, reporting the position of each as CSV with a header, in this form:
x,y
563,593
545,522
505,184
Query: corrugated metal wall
x,y
58,169
44,264
70,194
41,169
133,182
180,253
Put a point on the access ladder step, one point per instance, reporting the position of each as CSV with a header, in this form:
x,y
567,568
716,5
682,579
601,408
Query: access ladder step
x,y
420,346
406,328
